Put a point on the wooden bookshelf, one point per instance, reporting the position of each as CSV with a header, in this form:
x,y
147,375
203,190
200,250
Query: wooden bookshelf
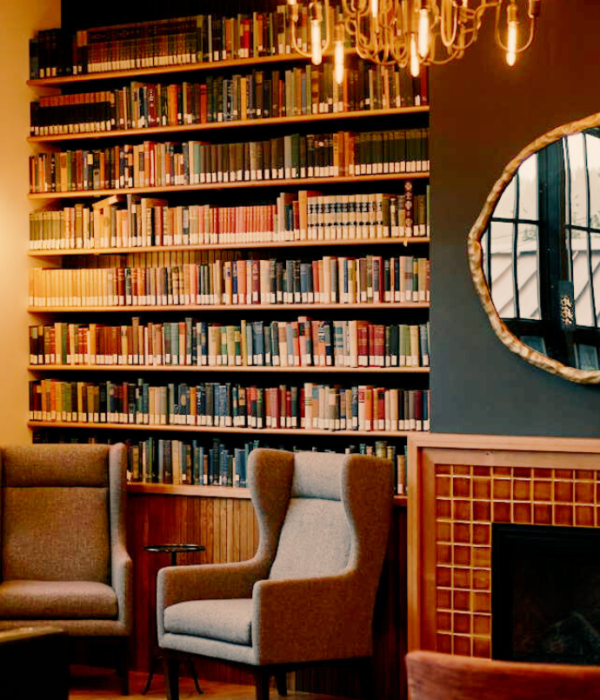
x,y
356,121
324,181
370,242
208,491
229,368
230,124
180,68
226,307
374,434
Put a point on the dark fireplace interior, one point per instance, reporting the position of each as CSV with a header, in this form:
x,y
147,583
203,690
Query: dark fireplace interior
x,y
546,594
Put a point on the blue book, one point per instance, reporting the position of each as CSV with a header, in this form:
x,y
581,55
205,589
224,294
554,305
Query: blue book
x,y
259,351
161,461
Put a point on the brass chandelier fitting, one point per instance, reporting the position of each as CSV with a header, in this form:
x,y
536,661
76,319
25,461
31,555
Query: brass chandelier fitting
x,y
409,33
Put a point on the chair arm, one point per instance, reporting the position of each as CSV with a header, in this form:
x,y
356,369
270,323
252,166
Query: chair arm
x,y
311,619
122,583
177,584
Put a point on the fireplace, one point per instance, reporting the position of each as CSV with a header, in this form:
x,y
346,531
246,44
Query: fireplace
x,y
466,489
546,594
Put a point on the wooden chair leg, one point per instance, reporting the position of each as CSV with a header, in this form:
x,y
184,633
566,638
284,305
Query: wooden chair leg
x,y
366,679
281,681
261,679
171,671
123,664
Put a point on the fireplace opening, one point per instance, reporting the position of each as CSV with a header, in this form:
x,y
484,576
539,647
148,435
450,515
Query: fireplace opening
x,y
546,594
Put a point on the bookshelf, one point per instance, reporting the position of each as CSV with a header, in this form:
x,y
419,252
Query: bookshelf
x,y
277,222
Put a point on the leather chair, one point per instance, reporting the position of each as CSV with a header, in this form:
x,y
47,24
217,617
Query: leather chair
x,y
62,534
435,676
308,594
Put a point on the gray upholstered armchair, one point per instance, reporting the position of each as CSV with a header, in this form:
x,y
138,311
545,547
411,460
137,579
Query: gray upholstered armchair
x,y
309,592
62,537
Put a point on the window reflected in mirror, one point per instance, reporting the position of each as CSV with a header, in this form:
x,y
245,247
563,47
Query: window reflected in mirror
x,y
539,251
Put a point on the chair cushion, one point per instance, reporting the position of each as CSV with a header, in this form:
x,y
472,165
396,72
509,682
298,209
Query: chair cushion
x,y
57,600
225,620
40,542
314,540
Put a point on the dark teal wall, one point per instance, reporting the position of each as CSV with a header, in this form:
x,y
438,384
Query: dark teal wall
x,y
483,114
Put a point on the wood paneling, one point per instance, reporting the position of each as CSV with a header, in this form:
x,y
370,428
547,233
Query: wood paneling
x,y
225,526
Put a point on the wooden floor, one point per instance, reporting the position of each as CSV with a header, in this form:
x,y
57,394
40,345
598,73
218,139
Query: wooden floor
x,y
104,685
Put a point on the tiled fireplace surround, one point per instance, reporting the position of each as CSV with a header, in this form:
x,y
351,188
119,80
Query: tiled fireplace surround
x,y
460,485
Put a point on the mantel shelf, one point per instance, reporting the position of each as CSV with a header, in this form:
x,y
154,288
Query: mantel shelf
x,y
227,368
242,184
232,124
152,308
212,429
404,241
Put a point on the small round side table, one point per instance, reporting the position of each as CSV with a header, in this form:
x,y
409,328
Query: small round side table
x,y
173,550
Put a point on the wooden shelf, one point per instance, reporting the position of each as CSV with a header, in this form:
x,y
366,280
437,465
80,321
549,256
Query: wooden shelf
x,y
151,308
188,490
212,429
233,124
208,491
138,73
403,240
243,184
227,368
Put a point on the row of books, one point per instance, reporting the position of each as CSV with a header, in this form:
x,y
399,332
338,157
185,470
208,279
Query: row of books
x,y
302,343
295,156
172,279
212,462
260,94
309,406
185,40
167,461
131,221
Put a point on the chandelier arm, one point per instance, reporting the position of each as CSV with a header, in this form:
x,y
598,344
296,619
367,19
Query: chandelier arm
x,y
448,16
294,38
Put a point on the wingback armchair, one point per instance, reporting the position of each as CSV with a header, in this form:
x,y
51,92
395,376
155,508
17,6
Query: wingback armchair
x,y
62,542
309,592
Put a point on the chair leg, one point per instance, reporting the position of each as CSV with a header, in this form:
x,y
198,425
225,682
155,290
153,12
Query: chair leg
x,y
366,679
261,679
123,664
281,681
171,671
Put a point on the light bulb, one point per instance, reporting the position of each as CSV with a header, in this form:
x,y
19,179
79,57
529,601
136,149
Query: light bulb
x,y
338,55
291,2
513,28
374,8
414,57
315,41
423,33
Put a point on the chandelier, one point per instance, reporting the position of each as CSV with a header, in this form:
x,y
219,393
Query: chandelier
x,y
409,33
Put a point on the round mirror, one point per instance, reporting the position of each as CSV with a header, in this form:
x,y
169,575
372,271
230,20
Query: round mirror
x,y
534,252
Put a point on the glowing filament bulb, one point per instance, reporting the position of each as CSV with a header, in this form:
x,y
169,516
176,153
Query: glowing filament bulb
x,y
512,38
315,41
423,33
374,8
414,57
338,55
